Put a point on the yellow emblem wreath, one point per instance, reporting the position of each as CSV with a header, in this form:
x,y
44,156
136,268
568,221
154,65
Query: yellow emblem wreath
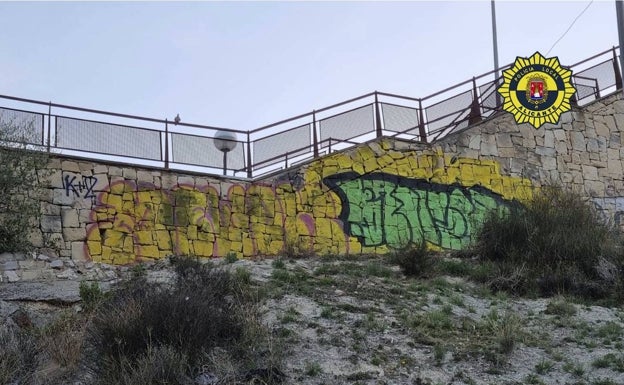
x,y
548,102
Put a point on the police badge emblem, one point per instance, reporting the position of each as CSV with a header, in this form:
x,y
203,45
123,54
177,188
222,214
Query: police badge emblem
x,y
536,90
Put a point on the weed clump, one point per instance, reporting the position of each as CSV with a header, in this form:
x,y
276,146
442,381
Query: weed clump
x,y
145,332
414,260
551,246
18,356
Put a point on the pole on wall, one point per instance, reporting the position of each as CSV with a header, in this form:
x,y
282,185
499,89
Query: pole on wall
x,y
495,48
619,10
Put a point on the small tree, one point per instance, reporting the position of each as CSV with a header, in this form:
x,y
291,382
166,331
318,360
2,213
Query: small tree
x,y
20,187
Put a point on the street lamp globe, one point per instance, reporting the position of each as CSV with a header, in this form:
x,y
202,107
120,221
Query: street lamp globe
x,y
225,141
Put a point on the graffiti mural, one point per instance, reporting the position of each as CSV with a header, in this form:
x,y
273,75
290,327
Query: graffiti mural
x,y
384,209
355,202
133,220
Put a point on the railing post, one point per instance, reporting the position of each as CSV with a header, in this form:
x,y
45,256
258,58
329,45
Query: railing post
x,y
249,165
597,89
314,135
378,117
573,100
49,124
166,144
616,70
475,108
421,122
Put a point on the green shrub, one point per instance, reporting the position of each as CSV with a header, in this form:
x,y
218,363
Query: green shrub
x,y
20,187
414,260
231,257
90,295
142,326
552,245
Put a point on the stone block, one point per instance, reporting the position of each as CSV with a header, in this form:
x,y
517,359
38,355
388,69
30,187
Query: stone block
x,y
549,139
74,234
9,265
145,176
610,122
101,182
100,169
67,165
114,171
578,141
5,257
186,181
62,197
85,168
559,134
67,274
31,275
84,216
69,218
549,163
56,264
561,147
546,151
11,276
55,179
51,224
50,209
129,173
474,142
30,264
504,141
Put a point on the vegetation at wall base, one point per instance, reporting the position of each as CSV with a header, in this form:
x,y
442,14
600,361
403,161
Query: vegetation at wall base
x,y
555,244
18,356
415,260
146,333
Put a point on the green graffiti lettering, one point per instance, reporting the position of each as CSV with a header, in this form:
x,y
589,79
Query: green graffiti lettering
x,y
383,209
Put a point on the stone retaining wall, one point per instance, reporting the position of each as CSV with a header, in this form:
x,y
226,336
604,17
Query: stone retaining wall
x,y
371,198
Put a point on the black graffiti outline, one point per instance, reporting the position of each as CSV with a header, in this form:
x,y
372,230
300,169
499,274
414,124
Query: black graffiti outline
x,y
333,182
84,188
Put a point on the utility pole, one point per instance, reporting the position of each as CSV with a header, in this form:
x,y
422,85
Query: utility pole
x,y
619,10
495,45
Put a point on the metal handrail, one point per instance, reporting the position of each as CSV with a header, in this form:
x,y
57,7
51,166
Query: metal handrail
x,y
471,113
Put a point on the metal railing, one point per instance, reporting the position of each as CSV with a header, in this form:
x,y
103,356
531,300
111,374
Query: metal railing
x,y
94,134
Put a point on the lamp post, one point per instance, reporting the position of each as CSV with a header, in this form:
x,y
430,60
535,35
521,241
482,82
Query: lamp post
x,y
619,12
495,46
225,141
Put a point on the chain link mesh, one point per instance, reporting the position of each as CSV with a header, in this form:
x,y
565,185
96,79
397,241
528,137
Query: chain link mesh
x,y
584,89
296,139
490,96
399,119
442,114
106,138
602,72
201,151
348,125
22,126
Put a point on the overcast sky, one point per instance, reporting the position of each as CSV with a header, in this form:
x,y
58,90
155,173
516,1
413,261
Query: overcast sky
x,y
243,65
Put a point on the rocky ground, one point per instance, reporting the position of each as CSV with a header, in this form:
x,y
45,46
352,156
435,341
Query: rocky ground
x,y
359,320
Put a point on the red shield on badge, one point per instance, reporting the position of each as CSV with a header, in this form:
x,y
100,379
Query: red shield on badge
x,y
537,89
